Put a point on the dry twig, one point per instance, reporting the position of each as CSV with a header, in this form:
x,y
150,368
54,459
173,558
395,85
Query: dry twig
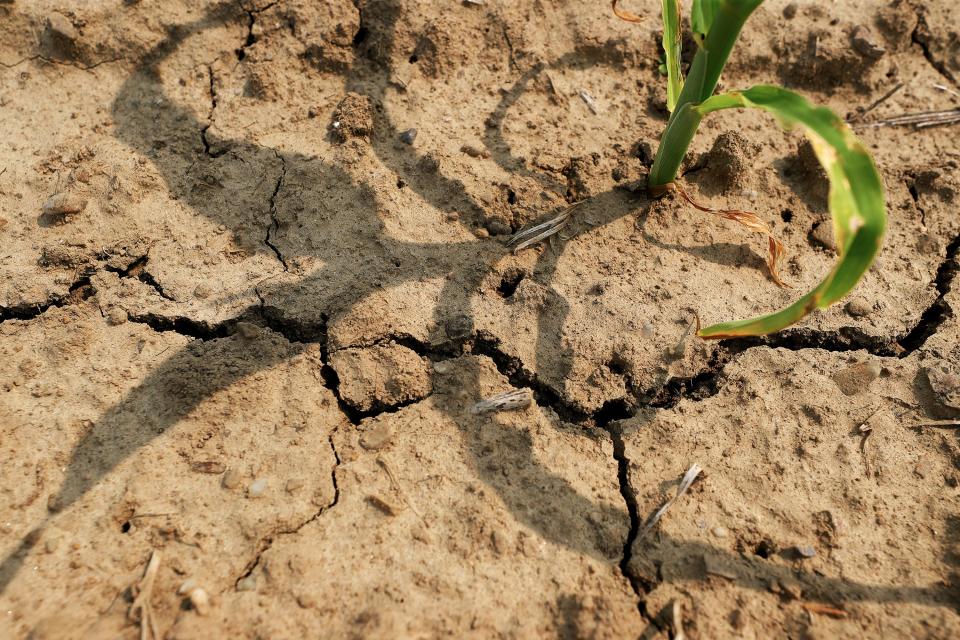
x,y
140,609
685,484
506,401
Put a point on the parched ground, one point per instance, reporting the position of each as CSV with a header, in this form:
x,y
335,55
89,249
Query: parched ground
x,y
253,278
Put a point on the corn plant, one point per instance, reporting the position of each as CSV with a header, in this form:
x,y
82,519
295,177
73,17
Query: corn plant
x,y
856,199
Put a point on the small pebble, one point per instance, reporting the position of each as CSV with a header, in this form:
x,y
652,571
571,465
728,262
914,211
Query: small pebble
x,y
647,330
923,469
257,488
294,484
944,379
474,152
858,308
62,204
806,551
499,542
790,11
247,584
382,505
59,25
408,136
737,619
791,588
481,233
202,291
200,601
54,503
822,235
441,367
188,585
306,601
720,532
232,479
864,43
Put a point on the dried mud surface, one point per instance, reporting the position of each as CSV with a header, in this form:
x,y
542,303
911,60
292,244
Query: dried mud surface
x,y
245,312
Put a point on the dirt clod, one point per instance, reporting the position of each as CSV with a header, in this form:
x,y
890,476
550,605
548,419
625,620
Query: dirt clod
x,y
353,118
864,42
727,165
944,379
856,378
382,375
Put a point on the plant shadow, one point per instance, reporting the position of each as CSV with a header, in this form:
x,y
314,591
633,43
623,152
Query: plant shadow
x,y
144,114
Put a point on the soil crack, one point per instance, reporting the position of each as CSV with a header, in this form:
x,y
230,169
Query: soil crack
x,y
62,63
80,290
940,311
265,543
921,37
633,510
210,116
250,39
138,269
274,221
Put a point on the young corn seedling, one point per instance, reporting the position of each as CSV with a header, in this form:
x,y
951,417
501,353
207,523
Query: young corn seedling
x,y
856,199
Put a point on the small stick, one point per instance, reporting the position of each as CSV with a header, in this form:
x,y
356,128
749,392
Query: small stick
x,y
877,103
826,610
396,485
506,401
946,89
587,98
685,484
143,591
680,348
935,423
676,620
920,120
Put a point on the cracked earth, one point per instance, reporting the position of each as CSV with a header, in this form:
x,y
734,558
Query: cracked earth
x,y
245,313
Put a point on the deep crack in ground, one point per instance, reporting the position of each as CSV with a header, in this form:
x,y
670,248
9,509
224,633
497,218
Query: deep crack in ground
x,y
274,222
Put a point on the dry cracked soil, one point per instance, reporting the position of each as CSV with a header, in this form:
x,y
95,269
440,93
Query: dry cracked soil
x,y
253,279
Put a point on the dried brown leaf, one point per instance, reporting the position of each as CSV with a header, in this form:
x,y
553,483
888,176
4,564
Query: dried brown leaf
x,y
623,14
753,222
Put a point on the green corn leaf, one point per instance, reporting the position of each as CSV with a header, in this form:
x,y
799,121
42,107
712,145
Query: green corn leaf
x,y
856,201
671,48
701,17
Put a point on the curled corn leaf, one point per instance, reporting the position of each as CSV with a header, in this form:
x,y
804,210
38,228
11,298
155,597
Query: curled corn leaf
x,y
856,201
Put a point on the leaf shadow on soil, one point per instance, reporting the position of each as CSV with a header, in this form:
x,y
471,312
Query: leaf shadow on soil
x,y
144,114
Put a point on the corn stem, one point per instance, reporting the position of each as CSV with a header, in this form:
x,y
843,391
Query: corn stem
x,y
708,64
